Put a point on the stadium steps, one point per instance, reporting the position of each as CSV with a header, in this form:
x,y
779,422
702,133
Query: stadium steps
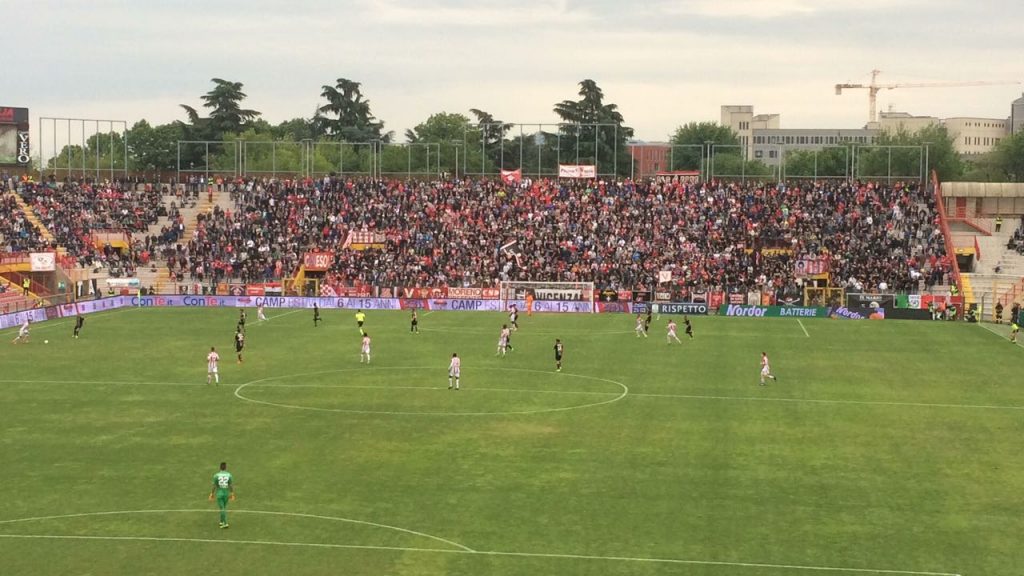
x,y
987,289
31,216
160,280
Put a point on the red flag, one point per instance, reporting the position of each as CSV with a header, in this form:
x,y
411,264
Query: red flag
x,y
512,176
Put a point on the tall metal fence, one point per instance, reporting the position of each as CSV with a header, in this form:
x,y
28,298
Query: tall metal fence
x,y
83,148
538,150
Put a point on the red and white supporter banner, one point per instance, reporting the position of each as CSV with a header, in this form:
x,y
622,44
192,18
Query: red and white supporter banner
x,y
512,176
317,261
806,267
577,171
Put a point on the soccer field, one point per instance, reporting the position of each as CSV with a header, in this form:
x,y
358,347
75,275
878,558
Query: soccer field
x,y
884,448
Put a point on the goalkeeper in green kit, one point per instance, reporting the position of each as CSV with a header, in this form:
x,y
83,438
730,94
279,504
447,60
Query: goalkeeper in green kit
x,y
224,490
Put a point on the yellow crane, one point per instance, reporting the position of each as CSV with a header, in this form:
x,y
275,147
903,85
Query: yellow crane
x,y
874,87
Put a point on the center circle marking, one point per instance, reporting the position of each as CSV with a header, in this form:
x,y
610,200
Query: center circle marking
x,y
256,384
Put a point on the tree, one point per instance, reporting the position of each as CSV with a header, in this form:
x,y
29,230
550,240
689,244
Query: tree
x,y
690,144
448,131
883,160
154,149
594,132
226,113
1010,157
346,116
831,162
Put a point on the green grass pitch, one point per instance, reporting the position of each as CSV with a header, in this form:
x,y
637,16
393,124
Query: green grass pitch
x,y
884,448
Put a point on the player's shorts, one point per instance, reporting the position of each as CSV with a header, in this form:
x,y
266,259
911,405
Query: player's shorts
x,y
211,369
766,370
671,332
360,323
453,373
239,347
366,349
558,357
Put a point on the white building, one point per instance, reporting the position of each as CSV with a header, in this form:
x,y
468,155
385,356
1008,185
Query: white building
x,y
976,135
744,122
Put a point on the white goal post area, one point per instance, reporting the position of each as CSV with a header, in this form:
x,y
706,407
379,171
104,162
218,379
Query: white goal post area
x,y
549,296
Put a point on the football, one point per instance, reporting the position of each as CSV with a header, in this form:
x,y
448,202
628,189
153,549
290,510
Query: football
x,y
46,341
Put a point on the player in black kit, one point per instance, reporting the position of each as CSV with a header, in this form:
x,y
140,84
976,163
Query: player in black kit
x,y
316,315
647,320
239,343
241,320
558,355
79,321
414,322
689,328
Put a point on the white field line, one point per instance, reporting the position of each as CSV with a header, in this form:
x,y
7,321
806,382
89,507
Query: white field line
x,y
631,394
802,327
440,388
103,382
824,401
429,312
1001,336
676,561
276,316
261,512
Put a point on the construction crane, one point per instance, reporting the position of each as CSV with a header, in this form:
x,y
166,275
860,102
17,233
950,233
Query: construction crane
x,y
874,87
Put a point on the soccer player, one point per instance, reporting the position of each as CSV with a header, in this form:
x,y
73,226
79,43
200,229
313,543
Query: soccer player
x,y
241,320
79,322
689,328
672,333
558,355
766,369
513,317
360,318
239,343
507,333
316,315
22,333
365,351
414,325
260,316
1014,328
453,371
223,490
529,303
211,365
640,330
503,340
647,320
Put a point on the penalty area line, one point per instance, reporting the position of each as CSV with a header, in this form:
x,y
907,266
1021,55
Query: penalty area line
x,y
487,553
802,327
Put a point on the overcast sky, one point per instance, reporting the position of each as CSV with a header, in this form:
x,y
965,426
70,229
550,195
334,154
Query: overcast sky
x,y
664,63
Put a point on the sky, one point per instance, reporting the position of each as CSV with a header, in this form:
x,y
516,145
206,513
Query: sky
x,y
664,63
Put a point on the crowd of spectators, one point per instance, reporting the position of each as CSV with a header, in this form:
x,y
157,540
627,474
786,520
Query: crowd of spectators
x,y
618,235
17,234
74,212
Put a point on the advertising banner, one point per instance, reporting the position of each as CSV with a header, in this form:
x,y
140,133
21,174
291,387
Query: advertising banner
x,y
468,293
773,311
844,313
18,318
466,304
687,308
614,307
564,306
